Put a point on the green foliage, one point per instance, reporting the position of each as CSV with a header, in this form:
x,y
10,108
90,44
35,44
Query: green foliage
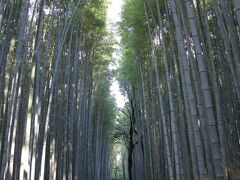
x,y
107,104
135,43
133,28
121,127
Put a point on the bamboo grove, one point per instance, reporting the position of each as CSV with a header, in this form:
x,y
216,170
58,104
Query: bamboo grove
x,y
55,110
181,73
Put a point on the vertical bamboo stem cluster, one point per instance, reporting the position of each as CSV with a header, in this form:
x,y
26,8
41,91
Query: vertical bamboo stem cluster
x,y
189,59
55,110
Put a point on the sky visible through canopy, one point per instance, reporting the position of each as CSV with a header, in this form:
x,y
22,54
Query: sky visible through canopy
x,y
114,16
